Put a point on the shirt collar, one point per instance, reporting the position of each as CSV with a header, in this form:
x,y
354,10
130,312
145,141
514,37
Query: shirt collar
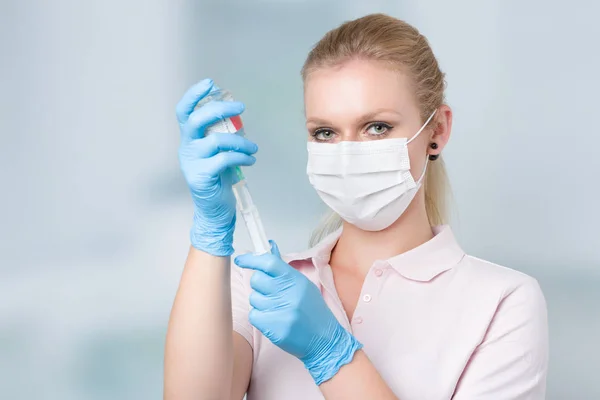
x,y
320,253
423,263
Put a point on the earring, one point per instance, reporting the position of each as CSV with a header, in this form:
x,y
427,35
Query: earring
x,y
433,157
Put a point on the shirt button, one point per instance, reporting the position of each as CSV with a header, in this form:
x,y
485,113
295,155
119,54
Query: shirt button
x,y
358,320
367,298
378,272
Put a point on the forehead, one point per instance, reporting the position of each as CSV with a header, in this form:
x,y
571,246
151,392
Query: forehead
x,y
357,86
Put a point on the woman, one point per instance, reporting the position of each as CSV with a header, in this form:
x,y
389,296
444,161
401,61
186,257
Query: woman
x,y
386,305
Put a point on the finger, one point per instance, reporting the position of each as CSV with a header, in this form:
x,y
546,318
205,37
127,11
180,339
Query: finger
x,y
208,114
222,161
274,248
191,97
263,283
267,263
260,301
218,142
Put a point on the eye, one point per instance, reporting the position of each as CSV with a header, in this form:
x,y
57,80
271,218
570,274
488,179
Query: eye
x,y
378,128
323,135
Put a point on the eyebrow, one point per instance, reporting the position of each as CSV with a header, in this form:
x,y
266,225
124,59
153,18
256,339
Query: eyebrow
x,y
362,119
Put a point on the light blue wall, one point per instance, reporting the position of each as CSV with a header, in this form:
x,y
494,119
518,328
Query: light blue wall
x,y
94,215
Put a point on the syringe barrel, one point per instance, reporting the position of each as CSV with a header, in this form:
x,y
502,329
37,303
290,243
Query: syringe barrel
x,y
251,217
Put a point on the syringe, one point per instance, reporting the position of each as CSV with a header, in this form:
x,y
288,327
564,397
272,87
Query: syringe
x,y
249,212
245,204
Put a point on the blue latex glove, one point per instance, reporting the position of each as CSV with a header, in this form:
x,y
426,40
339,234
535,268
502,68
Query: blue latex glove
x,y
207,164
290,311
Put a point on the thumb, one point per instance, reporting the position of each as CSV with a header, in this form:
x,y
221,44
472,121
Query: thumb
x,y
274,249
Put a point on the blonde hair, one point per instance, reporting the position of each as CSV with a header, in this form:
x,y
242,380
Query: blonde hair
x,y
382,38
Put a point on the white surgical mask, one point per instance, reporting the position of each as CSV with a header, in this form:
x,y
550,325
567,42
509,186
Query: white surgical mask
x,y
367,183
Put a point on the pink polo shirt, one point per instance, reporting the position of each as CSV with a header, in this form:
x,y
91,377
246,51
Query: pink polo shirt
x,y
436,323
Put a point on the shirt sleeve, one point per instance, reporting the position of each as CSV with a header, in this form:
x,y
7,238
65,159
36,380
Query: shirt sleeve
x,y
512,361
240,304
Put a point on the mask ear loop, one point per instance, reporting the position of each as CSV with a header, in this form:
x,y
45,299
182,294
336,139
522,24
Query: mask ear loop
x,y
426,158
423,173
423,127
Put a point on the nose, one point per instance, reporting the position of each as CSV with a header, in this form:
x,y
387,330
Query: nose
x,y
350,135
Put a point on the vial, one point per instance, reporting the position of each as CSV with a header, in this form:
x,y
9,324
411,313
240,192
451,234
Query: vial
x,y
227,125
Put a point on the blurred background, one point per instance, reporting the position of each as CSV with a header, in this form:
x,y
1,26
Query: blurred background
x,y
94,214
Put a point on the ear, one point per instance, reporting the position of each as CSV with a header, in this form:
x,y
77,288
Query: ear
x,y
440,133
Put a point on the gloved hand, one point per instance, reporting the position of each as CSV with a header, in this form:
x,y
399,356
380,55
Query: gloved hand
x,y
207,164
290,311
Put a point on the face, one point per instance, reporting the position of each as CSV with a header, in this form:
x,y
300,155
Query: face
x,y
364,100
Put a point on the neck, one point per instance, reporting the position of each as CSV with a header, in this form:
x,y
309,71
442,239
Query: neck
x,y
356,249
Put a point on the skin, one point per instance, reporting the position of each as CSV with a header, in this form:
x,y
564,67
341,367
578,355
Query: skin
x,y
216,363
203,363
